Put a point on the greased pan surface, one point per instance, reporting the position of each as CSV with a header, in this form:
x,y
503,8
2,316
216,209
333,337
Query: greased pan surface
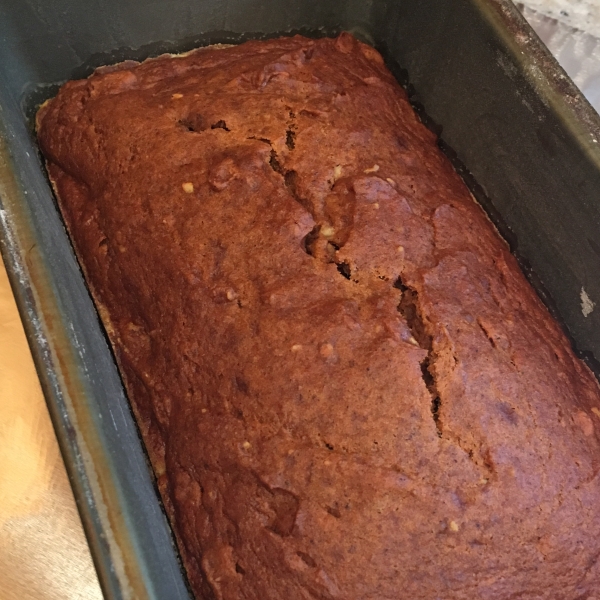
x,y
508,111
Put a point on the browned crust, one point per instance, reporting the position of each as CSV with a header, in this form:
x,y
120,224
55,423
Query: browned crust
x,y
345,384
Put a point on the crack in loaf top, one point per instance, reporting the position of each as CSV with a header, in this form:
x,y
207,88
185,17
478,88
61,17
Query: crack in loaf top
x,y
346,386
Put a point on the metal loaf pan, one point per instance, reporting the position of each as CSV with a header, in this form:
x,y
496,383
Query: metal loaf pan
x,y
508,111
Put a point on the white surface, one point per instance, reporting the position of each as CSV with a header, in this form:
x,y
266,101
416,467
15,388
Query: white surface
x,y
577,49
579,14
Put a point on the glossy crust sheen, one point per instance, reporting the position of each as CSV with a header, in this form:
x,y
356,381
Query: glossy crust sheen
x,y
347,388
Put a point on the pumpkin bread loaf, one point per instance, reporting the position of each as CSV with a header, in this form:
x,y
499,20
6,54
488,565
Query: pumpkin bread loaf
x,y
347,388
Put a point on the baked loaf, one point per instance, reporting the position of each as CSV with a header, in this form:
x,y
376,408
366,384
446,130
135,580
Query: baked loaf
x,y
347,388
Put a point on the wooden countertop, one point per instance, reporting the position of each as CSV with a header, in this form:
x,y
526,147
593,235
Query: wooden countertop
x,y
43,551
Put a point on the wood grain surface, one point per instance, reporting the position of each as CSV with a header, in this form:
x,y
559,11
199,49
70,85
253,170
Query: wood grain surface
x,y
43,551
